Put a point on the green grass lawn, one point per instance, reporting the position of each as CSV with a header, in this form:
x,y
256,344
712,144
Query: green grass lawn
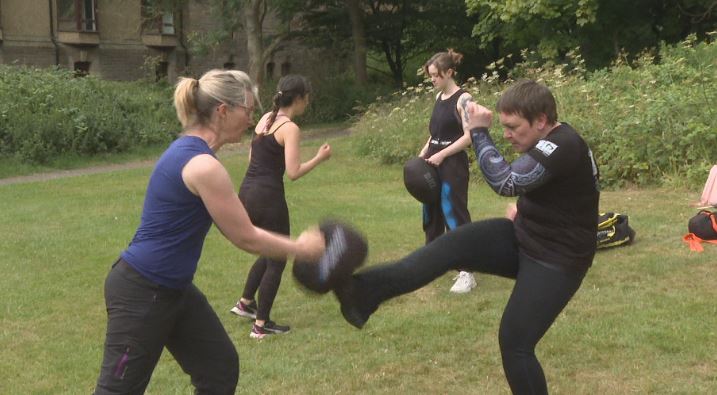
x,y
644,321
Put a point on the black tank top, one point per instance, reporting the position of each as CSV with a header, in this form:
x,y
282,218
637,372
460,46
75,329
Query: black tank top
x,y
445,125
267,164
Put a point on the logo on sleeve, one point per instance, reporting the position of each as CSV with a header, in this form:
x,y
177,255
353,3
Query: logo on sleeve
x,y
546,147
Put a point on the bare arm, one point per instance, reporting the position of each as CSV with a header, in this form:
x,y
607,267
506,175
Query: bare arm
x,y
207,178
290,136
422,154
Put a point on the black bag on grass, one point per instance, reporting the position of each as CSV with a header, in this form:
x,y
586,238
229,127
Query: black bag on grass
x,y
704,225
614,230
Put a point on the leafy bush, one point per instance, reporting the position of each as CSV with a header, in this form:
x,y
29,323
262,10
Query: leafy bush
x,y
646,122
653,120
47,113
394,128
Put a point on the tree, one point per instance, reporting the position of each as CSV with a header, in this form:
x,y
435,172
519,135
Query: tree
x,y
546,25
396,31
358,33
602,28
251,16
254,12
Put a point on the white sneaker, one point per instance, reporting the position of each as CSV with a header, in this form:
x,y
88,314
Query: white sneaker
x,y
464,283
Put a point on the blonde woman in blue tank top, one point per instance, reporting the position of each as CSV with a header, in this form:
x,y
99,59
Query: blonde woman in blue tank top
x,y
151,300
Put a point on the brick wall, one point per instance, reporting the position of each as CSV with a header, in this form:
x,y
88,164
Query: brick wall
x,y
122,62
37,54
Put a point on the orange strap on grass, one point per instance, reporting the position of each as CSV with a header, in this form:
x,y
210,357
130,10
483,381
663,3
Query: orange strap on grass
x,y
695,242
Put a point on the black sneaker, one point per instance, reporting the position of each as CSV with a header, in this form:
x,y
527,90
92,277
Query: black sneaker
x,y
354,311
245,310
269,328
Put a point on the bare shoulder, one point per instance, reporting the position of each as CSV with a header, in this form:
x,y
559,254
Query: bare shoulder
x,y
464,99
288,130
289,125
261,125
202,170
202,163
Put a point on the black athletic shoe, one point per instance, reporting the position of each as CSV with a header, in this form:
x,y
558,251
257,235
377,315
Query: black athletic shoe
x,y
354,312
245,310
269,328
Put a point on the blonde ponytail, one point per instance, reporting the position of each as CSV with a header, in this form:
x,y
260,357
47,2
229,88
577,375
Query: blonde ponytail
x,y
185,101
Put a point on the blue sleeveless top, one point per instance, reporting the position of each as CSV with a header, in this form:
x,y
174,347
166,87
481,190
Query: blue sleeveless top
x,y
169,240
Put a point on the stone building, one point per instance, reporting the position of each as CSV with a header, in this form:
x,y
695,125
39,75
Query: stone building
x,y
118,40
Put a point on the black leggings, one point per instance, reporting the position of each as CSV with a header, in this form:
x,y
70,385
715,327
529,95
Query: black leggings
x,y
267,209
451,211
540,292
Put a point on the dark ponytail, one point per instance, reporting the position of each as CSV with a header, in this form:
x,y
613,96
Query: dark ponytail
x,y
289,89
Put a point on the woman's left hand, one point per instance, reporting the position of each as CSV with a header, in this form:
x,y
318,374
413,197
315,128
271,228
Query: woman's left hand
x,y
436,159
324,152
312,244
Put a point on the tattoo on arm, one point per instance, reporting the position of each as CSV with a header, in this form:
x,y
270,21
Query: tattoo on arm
x,y
463,104
507,179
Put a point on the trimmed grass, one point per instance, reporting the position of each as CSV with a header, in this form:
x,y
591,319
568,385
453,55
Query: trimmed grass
x,y
643,322
12,167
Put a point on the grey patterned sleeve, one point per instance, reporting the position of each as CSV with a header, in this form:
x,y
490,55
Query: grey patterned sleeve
x,y
507,179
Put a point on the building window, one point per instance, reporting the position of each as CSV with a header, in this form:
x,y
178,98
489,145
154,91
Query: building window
x,y
285,68
157,18
270,69
76,16
82,69
168,23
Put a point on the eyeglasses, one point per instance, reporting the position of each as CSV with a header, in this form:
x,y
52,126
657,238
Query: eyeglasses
x,y
249,111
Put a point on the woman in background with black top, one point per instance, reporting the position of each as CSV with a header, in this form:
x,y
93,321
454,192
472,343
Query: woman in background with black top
x,y
445,149
151,300
547,248
274,150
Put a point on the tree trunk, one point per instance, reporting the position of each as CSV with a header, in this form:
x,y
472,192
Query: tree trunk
x,y
395,72
398,73
358,32
255,45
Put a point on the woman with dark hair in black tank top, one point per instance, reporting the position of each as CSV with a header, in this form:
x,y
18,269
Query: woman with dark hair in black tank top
x,y
445,149
274,150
